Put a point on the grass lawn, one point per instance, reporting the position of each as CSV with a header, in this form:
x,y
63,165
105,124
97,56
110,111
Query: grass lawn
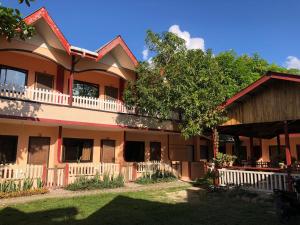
x,y
143,208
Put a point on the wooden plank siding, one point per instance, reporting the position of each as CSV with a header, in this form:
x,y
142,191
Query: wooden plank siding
x,y
276,100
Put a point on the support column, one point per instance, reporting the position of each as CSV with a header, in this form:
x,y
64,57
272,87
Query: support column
x,y
251,148
287,145
288,156
121,89
215,140
278,143
59,143
71,80
237,144
60,79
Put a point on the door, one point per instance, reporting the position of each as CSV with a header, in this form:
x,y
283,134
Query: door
x,y
155,151
38,151
108,151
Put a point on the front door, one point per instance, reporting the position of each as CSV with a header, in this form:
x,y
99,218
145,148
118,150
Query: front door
x,y
108,151
38,151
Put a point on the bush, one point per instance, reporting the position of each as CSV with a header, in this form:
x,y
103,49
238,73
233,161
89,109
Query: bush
x,y
224,159
157,177
84,183
14,194
207,180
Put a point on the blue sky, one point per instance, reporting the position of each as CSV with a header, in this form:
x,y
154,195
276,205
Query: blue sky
x,y
268,27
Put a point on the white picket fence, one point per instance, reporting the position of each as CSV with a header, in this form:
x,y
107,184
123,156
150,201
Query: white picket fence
x,y
20,173
89,170
100,104
33,94
153,166
256,180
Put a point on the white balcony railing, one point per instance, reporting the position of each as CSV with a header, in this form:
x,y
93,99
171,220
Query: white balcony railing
x,y
54,97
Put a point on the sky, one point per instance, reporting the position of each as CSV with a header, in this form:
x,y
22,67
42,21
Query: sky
x,y
267,27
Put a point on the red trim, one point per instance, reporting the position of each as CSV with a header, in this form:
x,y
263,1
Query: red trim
x,y
60,79
59,141
270,75
121,89
43,13
87,124
114,43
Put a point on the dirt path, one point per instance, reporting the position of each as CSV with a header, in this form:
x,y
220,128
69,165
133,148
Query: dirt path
x,y
61,193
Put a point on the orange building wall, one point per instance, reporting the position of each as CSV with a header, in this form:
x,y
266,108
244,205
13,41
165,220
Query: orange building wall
x,y
30,63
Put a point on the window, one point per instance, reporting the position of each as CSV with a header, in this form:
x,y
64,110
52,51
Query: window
x,y
8,149
276,156
298,152
75,149
13,76
222,148
155,151
44,81
257,152
204,152
85,89
242,152
38,151
111,93
108,151
134,151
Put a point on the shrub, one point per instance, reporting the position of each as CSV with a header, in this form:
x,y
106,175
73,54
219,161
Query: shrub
x,y
14,194
224,159
84,183
28,184
157,177
207,180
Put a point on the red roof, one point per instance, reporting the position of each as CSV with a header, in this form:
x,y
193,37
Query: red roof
x,y
269,76
42,13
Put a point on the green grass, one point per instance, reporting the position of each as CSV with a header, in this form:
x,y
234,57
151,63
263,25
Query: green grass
x,y
143,208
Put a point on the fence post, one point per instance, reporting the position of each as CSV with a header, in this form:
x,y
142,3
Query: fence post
x,y
55,177
134,171
44,175
66,174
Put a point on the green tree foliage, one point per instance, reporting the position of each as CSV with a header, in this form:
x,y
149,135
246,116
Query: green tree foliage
x,y
189,82
12,24
240,71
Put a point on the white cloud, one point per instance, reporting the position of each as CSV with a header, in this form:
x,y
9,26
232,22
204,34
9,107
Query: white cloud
x,y
145,53
292,62
191,43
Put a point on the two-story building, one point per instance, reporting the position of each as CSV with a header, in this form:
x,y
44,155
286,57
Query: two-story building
x,y
60,103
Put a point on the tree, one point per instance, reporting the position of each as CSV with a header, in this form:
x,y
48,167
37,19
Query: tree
x,y
12,24
241,71
189,82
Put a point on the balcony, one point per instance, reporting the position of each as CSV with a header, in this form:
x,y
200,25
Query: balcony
x,y
57,98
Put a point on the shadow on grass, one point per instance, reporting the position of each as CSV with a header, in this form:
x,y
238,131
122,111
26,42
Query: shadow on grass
x,y
130,210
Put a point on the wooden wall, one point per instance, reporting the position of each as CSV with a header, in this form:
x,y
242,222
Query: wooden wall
x,y
276,101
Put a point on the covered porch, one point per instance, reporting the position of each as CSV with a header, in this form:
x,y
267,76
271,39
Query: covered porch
x,y
262,130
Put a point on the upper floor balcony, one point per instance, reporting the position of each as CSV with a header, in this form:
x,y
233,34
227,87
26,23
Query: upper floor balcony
x,y
53,97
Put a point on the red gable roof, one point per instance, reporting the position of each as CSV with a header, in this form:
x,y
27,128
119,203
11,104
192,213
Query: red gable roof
x,y
269,75
42,13
114,43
